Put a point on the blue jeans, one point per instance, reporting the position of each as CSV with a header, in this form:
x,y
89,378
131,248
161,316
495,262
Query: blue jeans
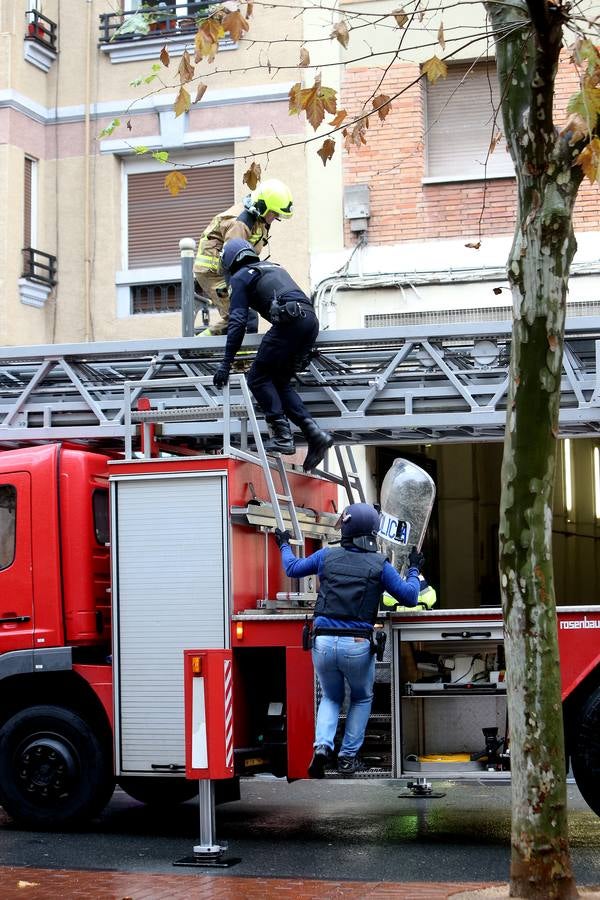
x,y
336,660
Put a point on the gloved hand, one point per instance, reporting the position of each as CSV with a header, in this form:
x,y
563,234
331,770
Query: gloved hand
x,y
416,559
282,537
221,376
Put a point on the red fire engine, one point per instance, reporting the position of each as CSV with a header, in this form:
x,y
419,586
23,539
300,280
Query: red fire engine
x,y
147,631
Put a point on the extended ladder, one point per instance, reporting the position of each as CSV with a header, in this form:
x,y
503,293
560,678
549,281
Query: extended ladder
x,y
417,384
212,411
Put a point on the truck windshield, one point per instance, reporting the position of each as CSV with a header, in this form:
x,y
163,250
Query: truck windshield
x,y
8,519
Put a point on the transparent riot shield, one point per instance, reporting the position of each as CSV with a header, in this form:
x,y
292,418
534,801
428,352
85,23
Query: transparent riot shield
x,y
407,496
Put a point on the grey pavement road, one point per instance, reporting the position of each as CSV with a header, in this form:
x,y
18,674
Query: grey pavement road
x,y
355,830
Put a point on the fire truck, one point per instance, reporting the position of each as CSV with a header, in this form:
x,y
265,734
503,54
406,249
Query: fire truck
x,y
148,635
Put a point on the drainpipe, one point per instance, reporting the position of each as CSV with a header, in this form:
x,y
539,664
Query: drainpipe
x,y
87,261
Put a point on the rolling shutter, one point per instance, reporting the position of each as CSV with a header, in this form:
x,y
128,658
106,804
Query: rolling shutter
x,y
460,123
157,221
27,186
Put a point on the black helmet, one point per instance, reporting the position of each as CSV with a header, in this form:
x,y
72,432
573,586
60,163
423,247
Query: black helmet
x,y
236,251
359,525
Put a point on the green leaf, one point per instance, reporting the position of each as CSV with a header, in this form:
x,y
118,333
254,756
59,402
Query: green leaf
x,y
109,128
136,24
140,150
161,156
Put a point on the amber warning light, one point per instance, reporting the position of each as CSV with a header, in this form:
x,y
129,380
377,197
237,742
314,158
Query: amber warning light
x,y
239,630
196,665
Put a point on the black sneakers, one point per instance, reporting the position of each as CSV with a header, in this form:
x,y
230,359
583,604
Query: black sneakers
x,y
320,759
348,765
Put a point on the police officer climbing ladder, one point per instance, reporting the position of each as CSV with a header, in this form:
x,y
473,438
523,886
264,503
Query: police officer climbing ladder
x,y
270,290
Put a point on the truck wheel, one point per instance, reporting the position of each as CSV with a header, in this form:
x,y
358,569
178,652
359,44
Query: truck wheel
x,y
54,768
585,754
159,791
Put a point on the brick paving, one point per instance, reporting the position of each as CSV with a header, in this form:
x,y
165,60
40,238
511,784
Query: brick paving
x,y
50,884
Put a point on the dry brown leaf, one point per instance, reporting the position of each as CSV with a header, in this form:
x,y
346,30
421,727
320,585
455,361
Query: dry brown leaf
x,y
339,118
341,33
128,125
577,127
183,101
304,58
327,150
440,36
175,182
314,101
474,246
207,40
249,9
589,160
235,24
252,176
494,141
435,68
382,105
202,88
164,57
185,69
400,17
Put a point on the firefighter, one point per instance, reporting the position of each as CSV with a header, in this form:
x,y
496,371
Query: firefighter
x,y
267,288
427,598
352,579
250,220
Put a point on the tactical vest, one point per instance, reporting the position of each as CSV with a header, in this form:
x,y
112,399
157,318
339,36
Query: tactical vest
x,y
350,585
274,283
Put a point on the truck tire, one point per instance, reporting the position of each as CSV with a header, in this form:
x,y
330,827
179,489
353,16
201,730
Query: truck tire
x,y
55,769
159,791
585,754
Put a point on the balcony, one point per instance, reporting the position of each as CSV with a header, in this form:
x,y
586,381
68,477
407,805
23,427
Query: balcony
x,y
41,38
138,34
38,277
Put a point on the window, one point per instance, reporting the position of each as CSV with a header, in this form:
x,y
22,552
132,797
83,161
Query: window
x,y
29,202
100,513
156,222
8,524
462,116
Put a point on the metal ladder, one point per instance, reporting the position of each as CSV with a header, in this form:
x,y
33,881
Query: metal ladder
x,y
211,410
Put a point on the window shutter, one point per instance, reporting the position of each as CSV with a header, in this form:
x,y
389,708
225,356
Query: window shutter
x,y
460,123
27,184
157,221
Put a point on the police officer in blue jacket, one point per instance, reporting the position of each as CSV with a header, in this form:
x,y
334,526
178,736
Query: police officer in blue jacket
x,y
271,291
352,579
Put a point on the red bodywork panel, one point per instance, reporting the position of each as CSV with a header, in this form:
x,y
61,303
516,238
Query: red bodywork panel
x,y
60,572
579,646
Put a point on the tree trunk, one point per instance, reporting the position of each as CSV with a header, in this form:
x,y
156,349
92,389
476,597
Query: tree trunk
x,y
538,270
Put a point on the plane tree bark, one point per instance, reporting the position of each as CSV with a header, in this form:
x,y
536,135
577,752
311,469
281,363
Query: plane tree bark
x,y
528,41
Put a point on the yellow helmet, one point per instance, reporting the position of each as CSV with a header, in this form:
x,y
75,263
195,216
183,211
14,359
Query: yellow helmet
x,y
273,196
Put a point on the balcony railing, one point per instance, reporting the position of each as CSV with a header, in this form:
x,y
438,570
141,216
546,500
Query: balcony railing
x,y
41,29
152,21
39,267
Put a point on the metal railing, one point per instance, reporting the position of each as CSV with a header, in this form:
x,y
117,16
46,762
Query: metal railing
x,y
39,266
41,29
151,20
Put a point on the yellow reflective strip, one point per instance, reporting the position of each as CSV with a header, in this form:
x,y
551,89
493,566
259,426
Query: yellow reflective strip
x,y
209,262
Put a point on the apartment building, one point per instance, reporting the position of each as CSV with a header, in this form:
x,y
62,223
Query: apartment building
x,y
89,237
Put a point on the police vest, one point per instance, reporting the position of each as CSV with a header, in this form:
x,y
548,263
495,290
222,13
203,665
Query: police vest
x,y
274,283
350,585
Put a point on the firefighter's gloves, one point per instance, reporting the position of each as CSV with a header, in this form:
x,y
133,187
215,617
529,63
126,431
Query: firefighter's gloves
x,y
416,559
221,376
282,537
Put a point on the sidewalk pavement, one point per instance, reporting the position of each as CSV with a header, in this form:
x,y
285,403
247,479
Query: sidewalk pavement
x,y
62,884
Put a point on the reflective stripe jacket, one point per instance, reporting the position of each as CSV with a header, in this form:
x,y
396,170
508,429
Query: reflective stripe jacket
x,y
236,222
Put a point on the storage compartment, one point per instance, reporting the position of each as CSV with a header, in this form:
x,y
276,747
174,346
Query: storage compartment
x,y
260,737
452,712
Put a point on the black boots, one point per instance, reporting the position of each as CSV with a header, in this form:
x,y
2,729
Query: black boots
x,y
280,436
318,443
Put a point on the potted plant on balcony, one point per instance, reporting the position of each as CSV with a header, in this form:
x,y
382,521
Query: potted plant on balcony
x,y
160,18
36,30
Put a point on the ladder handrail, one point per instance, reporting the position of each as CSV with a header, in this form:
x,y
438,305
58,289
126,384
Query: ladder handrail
x,y
224,411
